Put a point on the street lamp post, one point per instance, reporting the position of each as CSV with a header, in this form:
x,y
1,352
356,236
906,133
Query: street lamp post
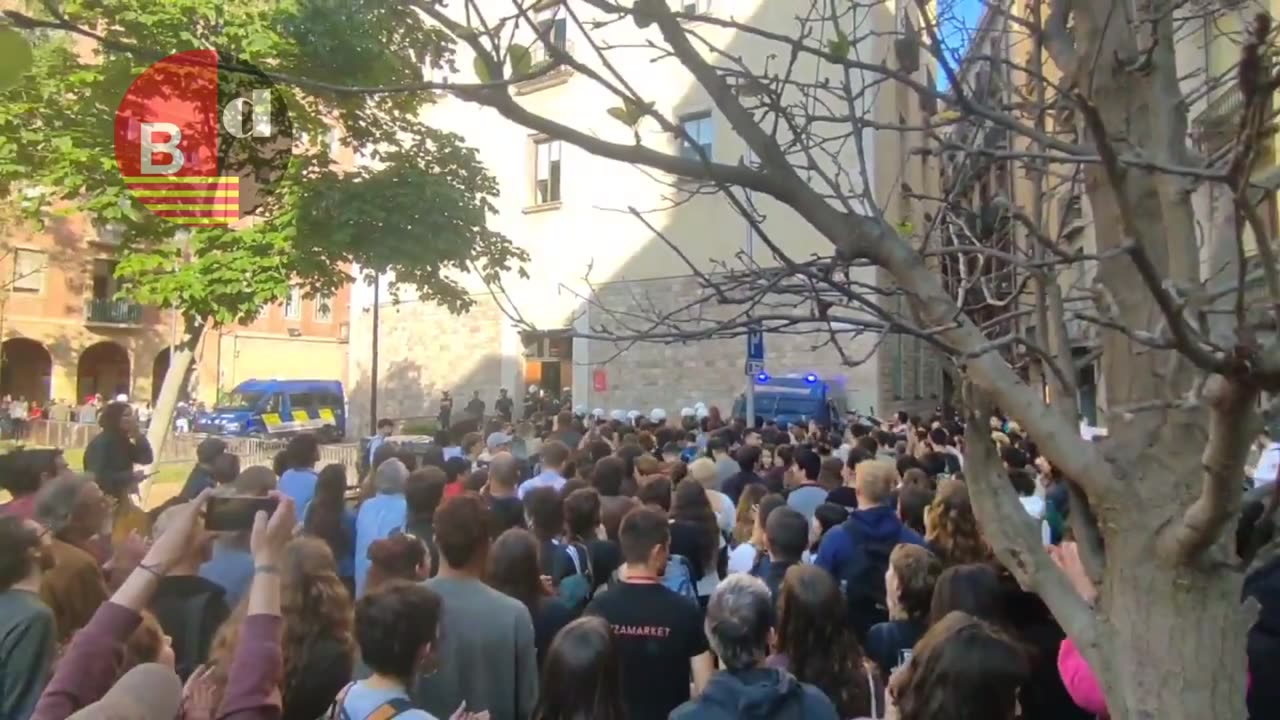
x,y
373,364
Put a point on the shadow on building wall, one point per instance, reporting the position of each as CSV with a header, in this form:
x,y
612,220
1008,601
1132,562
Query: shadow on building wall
x,y
466,353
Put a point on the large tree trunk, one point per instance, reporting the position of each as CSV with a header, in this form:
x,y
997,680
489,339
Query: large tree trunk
x,y
181,362
1173,639
1166,640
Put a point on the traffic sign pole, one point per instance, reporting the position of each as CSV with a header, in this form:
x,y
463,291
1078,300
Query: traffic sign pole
x,y
754,364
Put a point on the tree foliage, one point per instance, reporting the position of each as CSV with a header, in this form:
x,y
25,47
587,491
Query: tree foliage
x,y
415,205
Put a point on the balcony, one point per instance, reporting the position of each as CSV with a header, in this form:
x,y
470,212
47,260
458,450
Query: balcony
x,y
112,312
541,56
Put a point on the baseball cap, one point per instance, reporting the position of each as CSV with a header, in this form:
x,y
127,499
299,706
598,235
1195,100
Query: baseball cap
x,y
497,440
209,449
147,692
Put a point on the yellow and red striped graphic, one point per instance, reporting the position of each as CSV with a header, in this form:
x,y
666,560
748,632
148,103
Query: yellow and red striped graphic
x,y
196,201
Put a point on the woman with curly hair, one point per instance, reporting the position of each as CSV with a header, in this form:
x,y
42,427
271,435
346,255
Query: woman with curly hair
x,y
951,530
816,644
961,664
318,644
110,458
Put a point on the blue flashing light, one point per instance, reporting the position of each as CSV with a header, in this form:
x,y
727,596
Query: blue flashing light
x,y
811,378
762,377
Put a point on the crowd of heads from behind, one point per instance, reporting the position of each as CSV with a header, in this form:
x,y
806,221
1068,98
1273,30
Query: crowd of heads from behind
x,y
564,566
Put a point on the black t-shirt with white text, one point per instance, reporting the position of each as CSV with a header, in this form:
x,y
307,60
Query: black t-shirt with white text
x,y
657,633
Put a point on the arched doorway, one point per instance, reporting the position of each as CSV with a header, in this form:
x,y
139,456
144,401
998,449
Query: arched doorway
x,y
103,369
159,368
25,369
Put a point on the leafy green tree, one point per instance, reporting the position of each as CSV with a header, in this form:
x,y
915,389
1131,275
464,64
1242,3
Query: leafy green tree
x,y
415,206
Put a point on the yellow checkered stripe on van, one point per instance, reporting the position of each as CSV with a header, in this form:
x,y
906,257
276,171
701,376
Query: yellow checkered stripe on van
x,y
298,420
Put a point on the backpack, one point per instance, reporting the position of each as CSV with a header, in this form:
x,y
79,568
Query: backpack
x,y
862,579
678,577
393,708
575,590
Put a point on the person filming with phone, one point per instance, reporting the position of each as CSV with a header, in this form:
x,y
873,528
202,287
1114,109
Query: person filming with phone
x,y
87,684
111,458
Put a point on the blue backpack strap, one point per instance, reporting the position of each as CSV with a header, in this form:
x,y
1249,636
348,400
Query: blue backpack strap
x,y
393,708
338,711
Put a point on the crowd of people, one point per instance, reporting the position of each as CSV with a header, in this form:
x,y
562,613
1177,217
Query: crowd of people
x,y
566,568
17,413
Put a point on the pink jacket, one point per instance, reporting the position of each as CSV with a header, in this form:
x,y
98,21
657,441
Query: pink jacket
x,y
1081,685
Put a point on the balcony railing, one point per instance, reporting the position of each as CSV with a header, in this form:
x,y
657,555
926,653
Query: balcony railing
x,y
112,312
1222,109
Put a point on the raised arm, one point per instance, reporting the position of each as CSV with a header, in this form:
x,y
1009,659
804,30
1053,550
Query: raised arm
x,y
92,662
257,667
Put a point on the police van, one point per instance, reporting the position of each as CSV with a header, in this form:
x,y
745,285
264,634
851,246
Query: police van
x,y
279,408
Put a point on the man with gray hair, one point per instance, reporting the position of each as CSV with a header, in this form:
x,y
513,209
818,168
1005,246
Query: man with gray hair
x,y
740,619
380,515
74,511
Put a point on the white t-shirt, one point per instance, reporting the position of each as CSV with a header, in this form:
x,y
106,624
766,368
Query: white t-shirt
x,y
743,557
1035,507
1268,465
726,514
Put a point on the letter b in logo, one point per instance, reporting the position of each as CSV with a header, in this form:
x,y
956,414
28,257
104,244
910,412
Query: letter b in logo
x,y
150,147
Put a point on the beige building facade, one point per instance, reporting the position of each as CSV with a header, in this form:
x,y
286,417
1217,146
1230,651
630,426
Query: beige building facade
x,y
592,261
67,335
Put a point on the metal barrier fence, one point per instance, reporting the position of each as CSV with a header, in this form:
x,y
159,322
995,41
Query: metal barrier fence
x,y
182,448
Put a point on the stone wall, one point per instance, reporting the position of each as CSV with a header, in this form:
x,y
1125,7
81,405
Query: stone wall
x,y
643,376
422,350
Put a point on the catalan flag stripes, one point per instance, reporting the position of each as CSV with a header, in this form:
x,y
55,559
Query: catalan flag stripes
x,y
199,201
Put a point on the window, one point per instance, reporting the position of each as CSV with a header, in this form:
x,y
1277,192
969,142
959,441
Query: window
x,y
553,29
697,129
322,308
301,401
28,270
104,279
695,7
546,172
293,304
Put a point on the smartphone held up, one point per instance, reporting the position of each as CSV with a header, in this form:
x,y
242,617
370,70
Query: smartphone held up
x,y
235,513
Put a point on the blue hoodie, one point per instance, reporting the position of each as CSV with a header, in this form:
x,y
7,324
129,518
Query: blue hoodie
x,y
879,524
757,694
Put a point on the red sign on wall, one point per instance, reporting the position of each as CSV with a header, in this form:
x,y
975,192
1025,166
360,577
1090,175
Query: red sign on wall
x,y
599,381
